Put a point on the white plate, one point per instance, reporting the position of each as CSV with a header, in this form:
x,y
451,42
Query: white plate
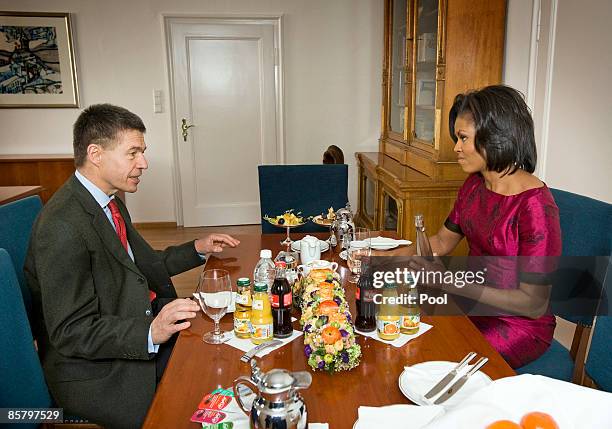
x,y
295,246
414,386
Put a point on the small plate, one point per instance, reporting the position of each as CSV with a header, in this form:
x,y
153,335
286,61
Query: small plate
x,y
295,246
417,383
322,222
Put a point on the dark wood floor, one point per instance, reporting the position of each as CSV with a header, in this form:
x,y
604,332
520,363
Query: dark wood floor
x,y
160,237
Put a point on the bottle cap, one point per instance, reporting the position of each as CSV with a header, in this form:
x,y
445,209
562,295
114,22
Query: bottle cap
x,y
260,287
265,253
243,281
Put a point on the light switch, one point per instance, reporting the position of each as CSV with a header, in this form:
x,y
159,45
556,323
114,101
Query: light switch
x,y
158,104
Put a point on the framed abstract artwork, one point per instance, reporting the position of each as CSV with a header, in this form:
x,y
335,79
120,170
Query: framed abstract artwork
x,y
37,64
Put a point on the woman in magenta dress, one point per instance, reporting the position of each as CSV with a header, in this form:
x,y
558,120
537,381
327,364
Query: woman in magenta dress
x,y
502,209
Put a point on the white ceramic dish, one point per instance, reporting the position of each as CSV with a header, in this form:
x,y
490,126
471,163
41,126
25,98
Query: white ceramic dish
x,y
295,246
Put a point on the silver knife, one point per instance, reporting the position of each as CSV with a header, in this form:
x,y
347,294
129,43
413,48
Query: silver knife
x,y
452,389
449,377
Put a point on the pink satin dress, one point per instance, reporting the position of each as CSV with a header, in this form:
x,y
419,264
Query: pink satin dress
x,y
526,224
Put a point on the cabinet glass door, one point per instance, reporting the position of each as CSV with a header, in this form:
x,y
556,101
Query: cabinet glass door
x,y
425,80
369,195
397,66
391,213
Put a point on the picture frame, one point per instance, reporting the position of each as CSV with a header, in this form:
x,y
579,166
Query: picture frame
x,y
37,61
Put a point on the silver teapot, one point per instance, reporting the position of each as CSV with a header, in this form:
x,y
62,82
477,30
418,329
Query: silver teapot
x,y
277,404
343,226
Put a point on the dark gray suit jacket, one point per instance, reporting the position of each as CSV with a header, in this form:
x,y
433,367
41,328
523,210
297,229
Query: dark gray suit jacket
x,y
91,307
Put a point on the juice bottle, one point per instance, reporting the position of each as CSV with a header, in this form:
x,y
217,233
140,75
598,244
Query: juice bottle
x,y
411,320
242,315
388,318
261,315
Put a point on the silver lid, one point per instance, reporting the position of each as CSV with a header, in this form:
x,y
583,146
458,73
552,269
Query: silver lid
x,y
277,381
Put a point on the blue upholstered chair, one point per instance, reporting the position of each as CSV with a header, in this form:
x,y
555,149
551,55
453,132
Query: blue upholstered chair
x,y
22,383
586,230
599,362
310,189
16,220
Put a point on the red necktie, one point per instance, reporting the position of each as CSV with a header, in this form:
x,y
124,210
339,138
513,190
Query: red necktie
x,y
122,232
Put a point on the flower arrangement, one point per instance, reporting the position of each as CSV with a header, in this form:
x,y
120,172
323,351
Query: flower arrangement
x,y
329,336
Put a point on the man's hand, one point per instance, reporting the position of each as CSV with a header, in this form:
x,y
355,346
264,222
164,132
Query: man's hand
x,y
164,325
214,243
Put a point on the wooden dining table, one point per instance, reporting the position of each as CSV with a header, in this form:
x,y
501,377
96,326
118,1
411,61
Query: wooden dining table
x,y
196,368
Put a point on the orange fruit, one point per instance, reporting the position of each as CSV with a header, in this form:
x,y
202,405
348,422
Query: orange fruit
x,y
538,420
330,334
504,424
319,274
390,329
326,290
328,307
337,317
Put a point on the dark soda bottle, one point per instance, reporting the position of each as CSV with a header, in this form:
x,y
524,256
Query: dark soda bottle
x,y
281,299
364,300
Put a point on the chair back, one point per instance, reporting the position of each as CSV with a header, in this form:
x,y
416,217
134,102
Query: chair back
x,y
333,155
16,220
310,189
586,230
22,383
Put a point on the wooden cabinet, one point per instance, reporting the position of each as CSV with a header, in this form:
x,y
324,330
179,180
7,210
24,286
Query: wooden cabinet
x,y
434,50
48,171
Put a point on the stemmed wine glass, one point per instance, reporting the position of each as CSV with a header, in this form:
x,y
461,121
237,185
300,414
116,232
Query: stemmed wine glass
x,y
358,252
215,295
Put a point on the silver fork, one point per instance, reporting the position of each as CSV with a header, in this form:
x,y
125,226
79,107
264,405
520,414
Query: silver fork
x,y
251,353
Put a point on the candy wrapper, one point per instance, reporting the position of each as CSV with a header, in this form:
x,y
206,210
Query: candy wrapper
x,y
219,410
329,335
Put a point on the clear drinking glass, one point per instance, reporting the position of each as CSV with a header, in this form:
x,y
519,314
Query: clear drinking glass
x,y
358,252
215,295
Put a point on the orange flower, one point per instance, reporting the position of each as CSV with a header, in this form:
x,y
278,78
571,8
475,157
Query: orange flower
x,y
330,335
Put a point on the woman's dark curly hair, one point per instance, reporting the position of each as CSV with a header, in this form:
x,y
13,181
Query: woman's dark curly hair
x,y
504,127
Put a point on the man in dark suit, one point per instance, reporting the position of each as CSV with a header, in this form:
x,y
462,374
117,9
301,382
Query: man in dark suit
x,y
105,311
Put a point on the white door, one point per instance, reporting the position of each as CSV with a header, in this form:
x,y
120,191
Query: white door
x,y
227,85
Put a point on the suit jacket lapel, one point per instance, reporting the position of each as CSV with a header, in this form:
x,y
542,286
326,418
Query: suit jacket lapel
x,y
102,226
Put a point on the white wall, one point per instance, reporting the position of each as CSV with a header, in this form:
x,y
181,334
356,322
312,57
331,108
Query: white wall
x,y
333,67
579,153
516,49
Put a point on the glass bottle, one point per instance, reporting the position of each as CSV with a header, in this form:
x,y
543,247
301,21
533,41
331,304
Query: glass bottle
x,y
388,319
423,247
242,315
411,317
261,315
364,302
281,299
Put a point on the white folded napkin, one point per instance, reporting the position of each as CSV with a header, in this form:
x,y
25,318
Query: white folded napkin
x,y
572,406
403,338
417,380
318,426
245,344
397,416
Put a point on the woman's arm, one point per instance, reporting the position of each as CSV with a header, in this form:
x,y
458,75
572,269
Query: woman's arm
x,y
445,241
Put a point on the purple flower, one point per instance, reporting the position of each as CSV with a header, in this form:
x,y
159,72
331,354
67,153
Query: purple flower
x,y
307,350
313,293
343,333
345,357
321,364
307,328
337,300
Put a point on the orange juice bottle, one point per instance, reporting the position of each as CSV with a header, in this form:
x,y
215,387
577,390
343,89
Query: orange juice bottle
x,y
388,318
261,315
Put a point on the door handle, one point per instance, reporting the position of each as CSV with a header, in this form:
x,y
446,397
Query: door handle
x,y
185,128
